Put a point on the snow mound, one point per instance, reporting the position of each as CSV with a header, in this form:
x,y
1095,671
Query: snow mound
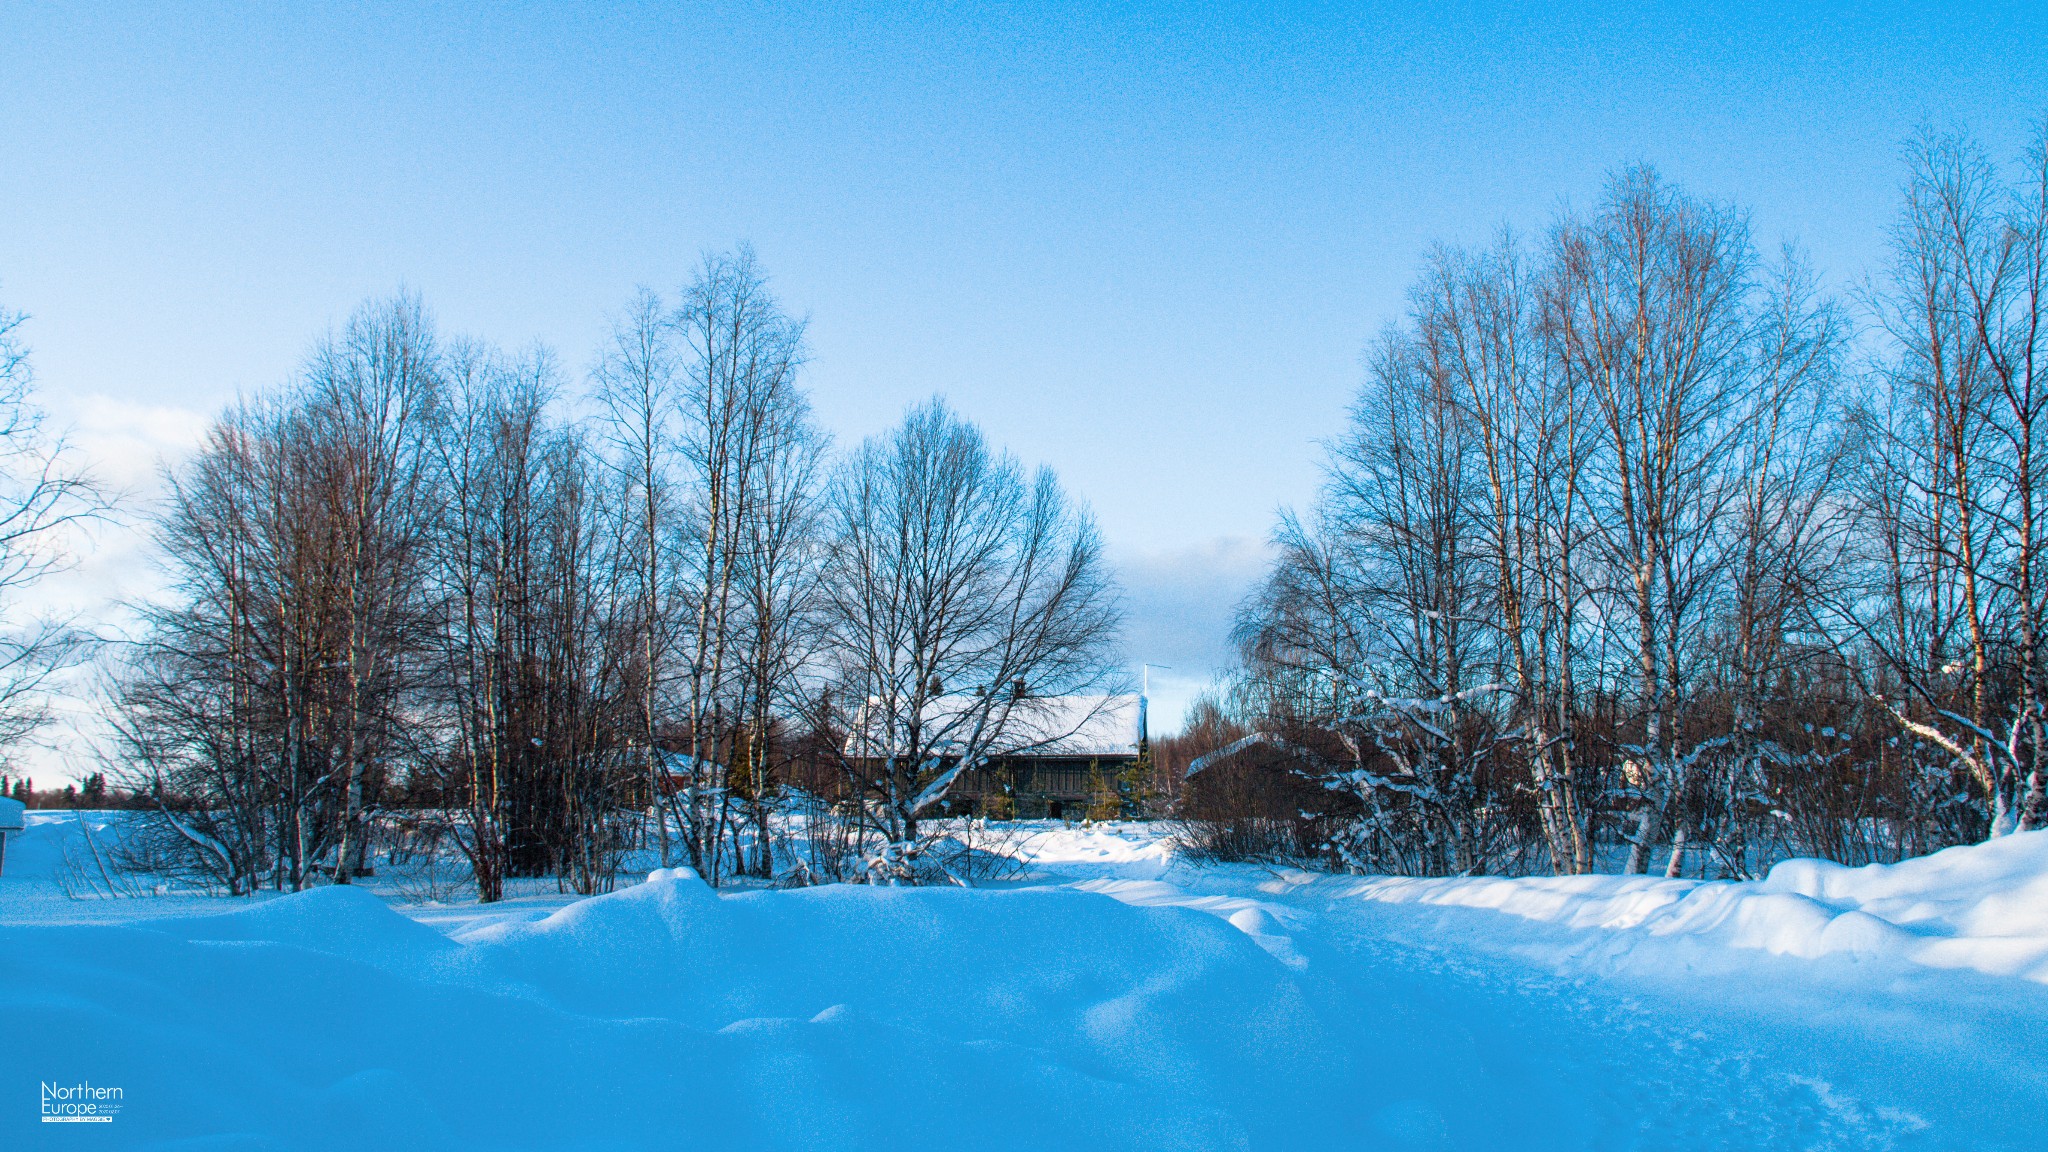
x,y
1981,907
344,921
1265,923
667,1015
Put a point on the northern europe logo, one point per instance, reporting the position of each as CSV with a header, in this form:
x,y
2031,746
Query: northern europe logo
x,y
80,1103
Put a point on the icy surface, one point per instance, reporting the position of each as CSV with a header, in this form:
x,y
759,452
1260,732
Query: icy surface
x,y
1116,998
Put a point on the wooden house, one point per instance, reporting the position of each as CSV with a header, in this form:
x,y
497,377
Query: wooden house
x,y
1055,758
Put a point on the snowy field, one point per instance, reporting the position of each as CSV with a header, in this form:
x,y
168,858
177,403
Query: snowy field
x,y
1114,998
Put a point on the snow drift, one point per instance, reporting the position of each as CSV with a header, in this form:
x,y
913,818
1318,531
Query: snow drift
x,y
1121,998
1983,907
667,1016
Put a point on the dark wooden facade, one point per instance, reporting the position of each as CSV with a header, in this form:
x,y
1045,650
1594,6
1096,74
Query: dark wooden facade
x,y
1039,787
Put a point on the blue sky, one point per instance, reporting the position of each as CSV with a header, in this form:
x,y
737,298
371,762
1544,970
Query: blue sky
x,y
1142,244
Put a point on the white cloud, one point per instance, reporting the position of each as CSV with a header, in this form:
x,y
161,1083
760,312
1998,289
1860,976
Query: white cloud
x,y
1179,605
125,447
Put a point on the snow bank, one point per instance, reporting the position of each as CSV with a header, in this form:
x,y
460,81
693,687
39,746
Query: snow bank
x,y
668,1016
1119,998
1123,848
1982,907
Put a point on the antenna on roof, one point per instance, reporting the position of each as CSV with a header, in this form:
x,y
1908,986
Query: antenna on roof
x,y
1144,694
1145,676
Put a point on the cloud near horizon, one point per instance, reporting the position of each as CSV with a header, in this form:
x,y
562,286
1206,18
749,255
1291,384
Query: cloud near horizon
x,y
1179,605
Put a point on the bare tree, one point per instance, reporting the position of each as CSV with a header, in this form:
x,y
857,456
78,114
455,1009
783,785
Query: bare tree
x,y
487,457
1786,528
404,569
740,355
373,391
1651,309
1480,314
532,571
778,621
1582,506
234,709
268,705
44,494
2010,303
636,382
959,596
1399,566
1956,439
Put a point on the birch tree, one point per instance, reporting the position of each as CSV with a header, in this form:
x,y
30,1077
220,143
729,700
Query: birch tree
x,y
44,495
779,602
237,711
1652,314
740,355
959,594
636,383
1480,313
1398,568
1957,435
373,392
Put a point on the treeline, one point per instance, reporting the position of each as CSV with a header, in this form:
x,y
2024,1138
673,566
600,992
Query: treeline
x,y
1641,550
94,793
651,612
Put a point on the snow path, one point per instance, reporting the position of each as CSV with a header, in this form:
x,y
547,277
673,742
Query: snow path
x,y
1634,1012
1118,998
1495,1034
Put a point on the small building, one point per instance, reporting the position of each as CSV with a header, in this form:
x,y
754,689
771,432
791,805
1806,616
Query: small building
x,y
13,819
1057,757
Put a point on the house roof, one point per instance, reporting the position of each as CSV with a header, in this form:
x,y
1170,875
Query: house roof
x,y
1064,726
1078,726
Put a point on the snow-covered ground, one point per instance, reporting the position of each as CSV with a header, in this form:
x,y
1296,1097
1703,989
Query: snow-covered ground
x,y
1117,998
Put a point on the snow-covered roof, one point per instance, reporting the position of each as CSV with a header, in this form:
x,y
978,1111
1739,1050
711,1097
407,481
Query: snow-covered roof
x,y
11,818
1078,726
1064,726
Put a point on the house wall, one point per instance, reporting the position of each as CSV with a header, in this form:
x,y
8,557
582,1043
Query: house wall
x,y
1030,788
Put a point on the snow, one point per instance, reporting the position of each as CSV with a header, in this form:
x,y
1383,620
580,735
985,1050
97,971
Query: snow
x,y
1983,907
1117,997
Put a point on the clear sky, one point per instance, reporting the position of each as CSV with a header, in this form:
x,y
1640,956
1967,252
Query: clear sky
x,y
1144,245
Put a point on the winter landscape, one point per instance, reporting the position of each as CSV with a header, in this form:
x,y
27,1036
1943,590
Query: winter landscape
x,y
1042,577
